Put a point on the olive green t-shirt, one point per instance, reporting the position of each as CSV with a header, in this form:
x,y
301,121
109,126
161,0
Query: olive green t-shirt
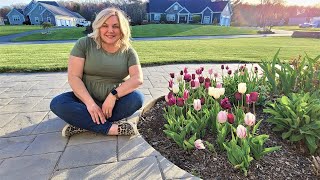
x,y
103,71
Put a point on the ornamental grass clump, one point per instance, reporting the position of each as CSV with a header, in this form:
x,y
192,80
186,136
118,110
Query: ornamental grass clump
x,y
199,103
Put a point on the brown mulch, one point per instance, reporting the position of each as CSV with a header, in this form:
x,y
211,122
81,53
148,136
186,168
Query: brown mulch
x,y
290,162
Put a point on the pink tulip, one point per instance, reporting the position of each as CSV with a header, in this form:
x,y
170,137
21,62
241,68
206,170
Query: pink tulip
x,y
197,104
248,100
207,80
241,132
172,101
185,94
168,96
254,96
207,85
216,75
199,144
250,119
222,117
185,70
218,85
187,77
210,71
196,83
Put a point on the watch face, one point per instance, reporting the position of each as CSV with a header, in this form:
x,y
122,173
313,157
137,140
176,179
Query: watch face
x,y
114,92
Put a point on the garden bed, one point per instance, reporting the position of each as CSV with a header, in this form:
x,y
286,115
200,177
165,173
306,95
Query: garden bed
x,y
290,162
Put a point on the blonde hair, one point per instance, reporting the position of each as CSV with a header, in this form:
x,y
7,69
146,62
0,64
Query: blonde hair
x,y
124,27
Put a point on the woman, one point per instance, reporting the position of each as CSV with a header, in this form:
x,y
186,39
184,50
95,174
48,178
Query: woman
x,y
98,70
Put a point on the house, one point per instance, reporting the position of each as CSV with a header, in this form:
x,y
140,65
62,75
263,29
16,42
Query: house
x,y
37,12
186,11
1,21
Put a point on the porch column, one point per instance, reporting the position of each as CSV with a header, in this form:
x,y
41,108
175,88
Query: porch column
x,y
178,18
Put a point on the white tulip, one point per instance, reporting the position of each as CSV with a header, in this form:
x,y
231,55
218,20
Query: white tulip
x,y
175,88
242,88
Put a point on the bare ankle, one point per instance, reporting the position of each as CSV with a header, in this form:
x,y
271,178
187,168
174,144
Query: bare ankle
x,y
113,131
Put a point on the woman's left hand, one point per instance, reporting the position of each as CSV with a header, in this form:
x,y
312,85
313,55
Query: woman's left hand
x,y
108,105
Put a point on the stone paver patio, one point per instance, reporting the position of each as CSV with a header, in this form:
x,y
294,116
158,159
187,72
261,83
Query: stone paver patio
x,y
31,146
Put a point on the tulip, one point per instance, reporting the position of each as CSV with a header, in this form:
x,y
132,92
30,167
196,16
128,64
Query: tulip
x,y
172,75
202,68
207,85
201,79
185,94
254,96
242,88
172,101
193,84
199,144
197,104
170,83
227,68
187,77
222,91
197,83
175,88
225,103
168,96
185,70
202,101
180,102
241,132
198,71
222,117
207,80
248,100
181,72
238,96
210,71
193,76
218,85
250,119
216,75
230,118
255,69
230,72
222,67
214,92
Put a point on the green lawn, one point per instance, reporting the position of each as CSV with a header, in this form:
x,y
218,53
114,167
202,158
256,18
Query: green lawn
x,y
150,30
55,34
7,30
51,57
295,28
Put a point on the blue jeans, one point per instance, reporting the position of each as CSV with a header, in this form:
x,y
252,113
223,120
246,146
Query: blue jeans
x,y
73,111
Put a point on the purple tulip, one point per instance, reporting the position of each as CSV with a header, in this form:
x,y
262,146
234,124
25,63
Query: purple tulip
x,y
256,69
230,72
202,68
201,79
216,75
181,72
187,77
193,76
238,96
207,80
222,67
227,68
225,103
198,71
254,96
170,83
207,85
202,100
248,100
172,75
193,84
185,70
172,101
180,102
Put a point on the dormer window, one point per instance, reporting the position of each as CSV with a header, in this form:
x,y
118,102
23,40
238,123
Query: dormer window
x,y
175,7
40,7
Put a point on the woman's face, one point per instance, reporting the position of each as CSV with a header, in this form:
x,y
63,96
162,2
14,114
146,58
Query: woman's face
x,y
110,31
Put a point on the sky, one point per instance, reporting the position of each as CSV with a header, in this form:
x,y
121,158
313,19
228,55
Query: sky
x,y
290,2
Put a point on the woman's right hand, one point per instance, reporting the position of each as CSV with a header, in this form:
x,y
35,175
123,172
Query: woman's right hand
x,y
96,113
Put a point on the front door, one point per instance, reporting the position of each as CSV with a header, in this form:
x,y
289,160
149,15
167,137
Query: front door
x,y
206,20
182,19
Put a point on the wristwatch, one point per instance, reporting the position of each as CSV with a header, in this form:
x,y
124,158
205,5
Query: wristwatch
x,y
115,93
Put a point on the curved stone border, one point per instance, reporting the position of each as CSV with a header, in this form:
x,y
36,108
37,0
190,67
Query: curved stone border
x,y
167,168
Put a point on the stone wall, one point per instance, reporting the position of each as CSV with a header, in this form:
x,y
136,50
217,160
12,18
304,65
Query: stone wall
x,y
305,34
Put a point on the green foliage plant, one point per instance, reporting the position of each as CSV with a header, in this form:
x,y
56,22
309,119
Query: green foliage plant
x,y
297,117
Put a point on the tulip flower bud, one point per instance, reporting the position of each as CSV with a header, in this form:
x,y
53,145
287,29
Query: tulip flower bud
x,y
238,96
248,101
207,80
181,72
202,101
222,117
170,83
256,69
222,67
193,76
198,144
202,68
175,88
254,96
180,102
250,119
242,88
230,118
227,68
197,104
187,77
193,84
172,75
201,79
198,71
185,70
185,94
207,85
230,72
210,71
241,132
225,103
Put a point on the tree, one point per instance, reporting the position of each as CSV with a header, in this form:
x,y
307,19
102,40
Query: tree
x,y
46,26
269,12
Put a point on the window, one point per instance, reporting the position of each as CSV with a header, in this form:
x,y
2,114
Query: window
x,y
40,7
156,17
36,19
171,17
49,19
175,7
16,18
190,17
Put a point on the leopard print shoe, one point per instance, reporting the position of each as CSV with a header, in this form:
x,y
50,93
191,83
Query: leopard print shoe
x,y
126,128
70,130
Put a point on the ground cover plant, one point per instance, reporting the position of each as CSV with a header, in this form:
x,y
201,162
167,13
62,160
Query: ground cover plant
x,y
53,57
150,30
203,112
15,29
